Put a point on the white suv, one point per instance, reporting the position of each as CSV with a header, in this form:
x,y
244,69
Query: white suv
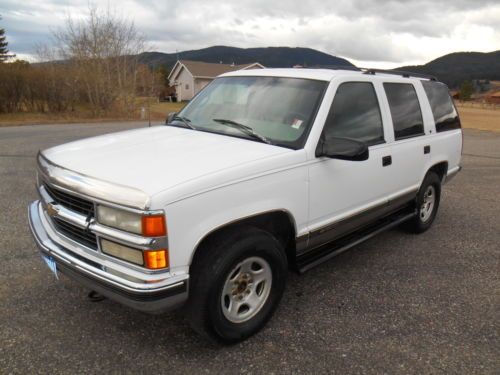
x,y
263,170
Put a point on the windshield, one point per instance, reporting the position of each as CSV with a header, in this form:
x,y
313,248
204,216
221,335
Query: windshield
x,y
277,110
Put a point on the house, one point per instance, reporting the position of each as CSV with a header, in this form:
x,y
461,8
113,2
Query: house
x,y
189,77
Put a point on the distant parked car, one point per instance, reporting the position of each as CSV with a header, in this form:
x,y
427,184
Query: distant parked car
x,y
263,170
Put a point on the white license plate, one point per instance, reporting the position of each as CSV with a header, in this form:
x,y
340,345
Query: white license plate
x,y
51,263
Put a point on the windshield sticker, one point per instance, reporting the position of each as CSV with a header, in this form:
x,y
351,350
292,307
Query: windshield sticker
x,y
296,123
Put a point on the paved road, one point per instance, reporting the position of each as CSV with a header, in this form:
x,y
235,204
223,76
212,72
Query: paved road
x,y
398,304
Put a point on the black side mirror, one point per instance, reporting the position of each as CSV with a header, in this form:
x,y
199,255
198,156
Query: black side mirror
x,y
170,117
342,148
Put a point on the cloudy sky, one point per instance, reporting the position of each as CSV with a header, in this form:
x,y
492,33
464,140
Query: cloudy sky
x,y
366,32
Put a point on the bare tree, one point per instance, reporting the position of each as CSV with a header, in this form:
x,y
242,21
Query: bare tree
x,y
104,50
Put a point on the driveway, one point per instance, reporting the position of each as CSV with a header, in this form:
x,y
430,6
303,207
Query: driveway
x,y
397,304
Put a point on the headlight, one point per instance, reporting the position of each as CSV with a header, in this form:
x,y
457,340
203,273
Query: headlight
x,y
120,219
146,225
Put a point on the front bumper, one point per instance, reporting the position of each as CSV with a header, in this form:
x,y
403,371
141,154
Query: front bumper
x,y
150,296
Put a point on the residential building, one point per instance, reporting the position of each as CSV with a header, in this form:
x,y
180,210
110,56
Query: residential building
x,y
189,77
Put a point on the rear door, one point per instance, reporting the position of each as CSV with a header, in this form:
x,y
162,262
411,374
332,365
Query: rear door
x,y
410,148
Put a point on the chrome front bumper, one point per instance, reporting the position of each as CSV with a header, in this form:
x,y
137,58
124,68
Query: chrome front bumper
x,y
153,294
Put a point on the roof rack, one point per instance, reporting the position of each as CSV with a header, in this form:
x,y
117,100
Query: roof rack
x,y
401,73
331,67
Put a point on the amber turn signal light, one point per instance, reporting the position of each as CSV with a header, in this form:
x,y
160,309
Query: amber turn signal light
x,y
154,226
155,259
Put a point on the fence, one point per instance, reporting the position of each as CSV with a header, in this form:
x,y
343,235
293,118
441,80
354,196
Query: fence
x,y
480,105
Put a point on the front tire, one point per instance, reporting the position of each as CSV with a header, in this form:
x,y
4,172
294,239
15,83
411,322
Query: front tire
x,y
236,284
427,203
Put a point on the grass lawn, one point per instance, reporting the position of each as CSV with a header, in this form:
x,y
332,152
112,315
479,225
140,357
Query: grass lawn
x,y
159,111
472,118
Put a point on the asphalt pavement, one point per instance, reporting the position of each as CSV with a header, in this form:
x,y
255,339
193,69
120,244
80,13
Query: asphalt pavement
x,y
397,304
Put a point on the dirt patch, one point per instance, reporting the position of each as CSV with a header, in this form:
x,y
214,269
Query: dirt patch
x,y
479,118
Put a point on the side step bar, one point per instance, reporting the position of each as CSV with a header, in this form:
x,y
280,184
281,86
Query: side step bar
x,y
329,250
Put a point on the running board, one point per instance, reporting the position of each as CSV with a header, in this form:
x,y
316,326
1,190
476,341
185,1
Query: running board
x,y
325,252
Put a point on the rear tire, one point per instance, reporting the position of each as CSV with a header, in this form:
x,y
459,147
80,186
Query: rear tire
x,y
236,284
427,203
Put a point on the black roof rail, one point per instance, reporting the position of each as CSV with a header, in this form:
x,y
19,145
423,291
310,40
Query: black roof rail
x,y
331,67
401,73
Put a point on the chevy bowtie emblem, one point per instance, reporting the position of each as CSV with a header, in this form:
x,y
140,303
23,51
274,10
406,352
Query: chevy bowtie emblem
x,y
52,210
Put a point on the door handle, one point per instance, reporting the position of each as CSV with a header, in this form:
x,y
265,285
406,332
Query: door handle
x,y
427,149
386,160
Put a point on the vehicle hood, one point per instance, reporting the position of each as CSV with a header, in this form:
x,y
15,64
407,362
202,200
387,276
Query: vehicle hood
x,y
159,158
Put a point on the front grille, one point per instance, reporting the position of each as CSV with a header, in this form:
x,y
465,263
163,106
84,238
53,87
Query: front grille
x,y
75,233
76,204
71,202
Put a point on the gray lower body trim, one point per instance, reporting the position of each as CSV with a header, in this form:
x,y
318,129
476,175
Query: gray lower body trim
x,y
452,173
330,250
339,229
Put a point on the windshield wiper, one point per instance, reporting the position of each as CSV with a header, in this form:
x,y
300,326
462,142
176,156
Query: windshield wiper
x,y
244,128
187,122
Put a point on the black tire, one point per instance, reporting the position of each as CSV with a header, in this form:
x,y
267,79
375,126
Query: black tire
x,y
423,221
210,271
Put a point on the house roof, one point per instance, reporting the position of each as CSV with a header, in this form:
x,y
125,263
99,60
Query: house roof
x,y
210,70
495,95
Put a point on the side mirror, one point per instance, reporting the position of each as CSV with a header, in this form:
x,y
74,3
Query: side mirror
x,y
343,148
170,117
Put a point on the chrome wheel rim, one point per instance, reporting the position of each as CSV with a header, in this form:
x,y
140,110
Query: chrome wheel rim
x,y
428,203
246,289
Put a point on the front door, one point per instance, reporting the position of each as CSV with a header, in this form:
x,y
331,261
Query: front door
x,y
345,195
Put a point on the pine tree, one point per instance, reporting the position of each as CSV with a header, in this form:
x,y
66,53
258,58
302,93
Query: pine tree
x,y
4,52
466,90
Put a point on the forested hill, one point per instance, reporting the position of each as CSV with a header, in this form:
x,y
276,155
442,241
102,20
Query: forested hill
x,y
272,57
455,68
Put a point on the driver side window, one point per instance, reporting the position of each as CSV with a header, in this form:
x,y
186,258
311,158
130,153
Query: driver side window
x,y
355,114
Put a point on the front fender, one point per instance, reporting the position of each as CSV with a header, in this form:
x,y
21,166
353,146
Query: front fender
x,y
190,220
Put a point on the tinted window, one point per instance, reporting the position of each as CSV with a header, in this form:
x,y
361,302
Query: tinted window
x,y
445,114
355,114
405,110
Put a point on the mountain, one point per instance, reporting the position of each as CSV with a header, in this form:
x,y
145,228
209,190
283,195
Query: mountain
x,y
451,69
271,57
457,67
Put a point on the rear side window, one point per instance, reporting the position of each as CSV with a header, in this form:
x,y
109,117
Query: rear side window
x,y
405,110
355,114
445,114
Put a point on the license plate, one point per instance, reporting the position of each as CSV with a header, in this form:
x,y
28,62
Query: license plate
x,y
51,263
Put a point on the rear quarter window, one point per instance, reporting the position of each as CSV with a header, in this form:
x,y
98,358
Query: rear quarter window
x,y
443,109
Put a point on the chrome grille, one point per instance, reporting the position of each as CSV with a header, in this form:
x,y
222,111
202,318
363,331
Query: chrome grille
x,y
71,202
75,233
76,204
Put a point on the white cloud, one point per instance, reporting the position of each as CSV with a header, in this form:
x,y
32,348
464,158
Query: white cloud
x,y
367,32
